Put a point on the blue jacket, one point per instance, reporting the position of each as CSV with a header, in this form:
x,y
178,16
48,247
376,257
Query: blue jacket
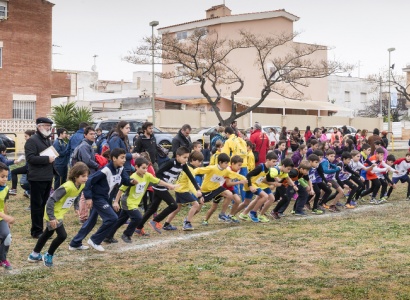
x,y
102,183
64,154
75,140
85,153
116,142
329,168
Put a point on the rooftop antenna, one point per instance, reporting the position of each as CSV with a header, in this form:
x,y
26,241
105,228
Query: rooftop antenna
x,y
94,67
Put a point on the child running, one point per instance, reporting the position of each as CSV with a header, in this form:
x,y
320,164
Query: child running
x,y
169,173
402,166
5,219
184,194
57,206
97,192
214,178
131,200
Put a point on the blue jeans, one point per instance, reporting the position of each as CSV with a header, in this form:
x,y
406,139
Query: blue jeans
x,y
61,177
301,200
104,210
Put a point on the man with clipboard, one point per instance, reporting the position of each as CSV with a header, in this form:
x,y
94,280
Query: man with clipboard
x,y
40,156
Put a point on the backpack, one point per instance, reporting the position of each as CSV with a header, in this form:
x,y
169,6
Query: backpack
x,y
101,160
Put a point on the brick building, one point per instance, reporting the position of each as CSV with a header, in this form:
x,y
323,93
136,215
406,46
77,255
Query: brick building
x,y
27,82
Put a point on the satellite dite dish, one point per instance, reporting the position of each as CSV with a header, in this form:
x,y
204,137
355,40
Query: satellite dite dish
x,y
94,68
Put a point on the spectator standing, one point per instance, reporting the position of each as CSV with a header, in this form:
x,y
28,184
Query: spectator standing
x,y
234,126
146,142
85,152
77,138
384,139
372,139
261,141
295,139
61,162
119,139
182,139
40,173
100,139
20,170
273,137
308,134
219,136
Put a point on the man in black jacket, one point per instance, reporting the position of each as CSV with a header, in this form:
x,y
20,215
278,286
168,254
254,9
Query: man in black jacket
x,y
182,139
147,142
40,173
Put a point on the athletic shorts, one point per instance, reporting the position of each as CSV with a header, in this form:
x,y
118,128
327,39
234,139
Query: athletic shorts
x,y
249,194
213,194
402,179
334,183
183,198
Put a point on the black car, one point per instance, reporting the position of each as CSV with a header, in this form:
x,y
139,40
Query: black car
x,y
8,142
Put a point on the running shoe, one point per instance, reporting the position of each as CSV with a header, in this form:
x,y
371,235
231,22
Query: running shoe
x,y
187,226
95,246
13,192
223,218
317,212
126,239
301,213
110,240
263,219
169,227
156,226
204,223
141,232
254,217
275,215
234,219
82,247
325,206
32,258
6,264
374,201
48,260
349,206
244,217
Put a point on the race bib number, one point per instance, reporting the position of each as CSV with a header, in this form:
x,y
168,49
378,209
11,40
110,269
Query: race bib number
x,y
218,179
260,180
69,202
140,188
116,179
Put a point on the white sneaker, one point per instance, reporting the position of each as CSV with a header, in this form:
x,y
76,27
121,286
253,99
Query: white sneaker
x,y
82,247
95,246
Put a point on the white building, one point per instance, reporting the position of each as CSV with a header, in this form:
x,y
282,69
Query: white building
x,y
351,92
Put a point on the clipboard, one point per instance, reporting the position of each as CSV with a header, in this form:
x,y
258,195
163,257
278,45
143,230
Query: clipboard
x,y
50,151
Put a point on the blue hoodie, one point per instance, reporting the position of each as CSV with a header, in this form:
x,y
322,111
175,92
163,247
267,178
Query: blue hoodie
x,y
102,183
75,140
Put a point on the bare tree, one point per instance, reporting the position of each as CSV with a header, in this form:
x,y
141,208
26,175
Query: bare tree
x,y
204,58
400,86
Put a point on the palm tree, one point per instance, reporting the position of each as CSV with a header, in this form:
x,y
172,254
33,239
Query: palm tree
x,y
69,116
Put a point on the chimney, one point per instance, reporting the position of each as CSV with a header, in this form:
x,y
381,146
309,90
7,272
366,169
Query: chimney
x,y
218,11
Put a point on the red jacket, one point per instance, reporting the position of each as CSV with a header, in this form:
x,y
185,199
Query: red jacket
x,y
261,142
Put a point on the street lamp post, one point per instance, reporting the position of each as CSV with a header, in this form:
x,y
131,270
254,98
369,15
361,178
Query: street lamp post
x,y
153,24
389,104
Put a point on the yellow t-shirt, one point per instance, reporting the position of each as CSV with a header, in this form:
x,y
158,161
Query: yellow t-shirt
x,y
214,158
3,195
185,184
137,191
236,146
214,177
62,205
257,180
251,160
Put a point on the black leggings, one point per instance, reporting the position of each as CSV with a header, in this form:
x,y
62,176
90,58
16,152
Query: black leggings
x,y
158,197
408,187
147,199
60,238
284,198
384,184
374,189
14,177
317,187
360,186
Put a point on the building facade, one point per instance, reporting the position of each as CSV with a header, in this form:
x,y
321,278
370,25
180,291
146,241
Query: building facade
x,y
27,82
226,25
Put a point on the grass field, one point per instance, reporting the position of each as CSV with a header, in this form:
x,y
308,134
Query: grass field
x,y
357,254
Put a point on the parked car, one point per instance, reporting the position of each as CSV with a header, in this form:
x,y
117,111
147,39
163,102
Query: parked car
x,y
163,138
265,128
8,142
201,134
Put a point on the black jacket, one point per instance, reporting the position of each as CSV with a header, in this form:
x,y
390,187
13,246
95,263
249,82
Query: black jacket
x,y
180,141
143,143
39,167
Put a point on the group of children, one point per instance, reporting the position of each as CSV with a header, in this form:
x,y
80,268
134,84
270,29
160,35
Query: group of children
x,y
246,190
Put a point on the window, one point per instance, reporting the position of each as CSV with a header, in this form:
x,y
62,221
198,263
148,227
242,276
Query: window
x,y
363,97
182,35
3,10
347,97
24,110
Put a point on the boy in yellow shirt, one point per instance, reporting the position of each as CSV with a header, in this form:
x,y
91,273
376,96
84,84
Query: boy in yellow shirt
x,y
214,157
131,200
214,178
250,156
185,192
256,186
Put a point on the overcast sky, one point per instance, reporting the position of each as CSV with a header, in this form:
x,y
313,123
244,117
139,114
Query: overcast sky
x,y
358,30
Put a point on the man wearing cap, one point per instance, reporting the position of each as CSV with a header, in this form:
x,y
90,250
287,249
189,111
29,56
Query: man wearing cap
x,y
40,173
